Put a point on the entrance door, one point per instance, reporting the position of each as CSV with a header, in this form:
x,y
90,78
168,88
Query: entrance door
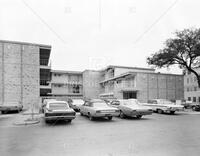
x,y
129,95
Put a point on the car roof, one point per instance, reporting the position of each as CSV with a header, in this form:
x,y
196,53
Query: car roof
x,y
49,102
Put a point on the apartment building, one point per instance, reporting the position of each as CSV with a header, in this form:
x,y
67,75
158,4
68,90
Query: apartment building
x,y
118,82
67,83
140,83
24,72
191,89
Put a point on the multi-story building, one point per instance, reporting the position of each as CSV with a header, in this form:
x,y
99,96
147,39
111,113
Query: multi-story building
x,y
24,72
120,82
67,83
191,89
140,83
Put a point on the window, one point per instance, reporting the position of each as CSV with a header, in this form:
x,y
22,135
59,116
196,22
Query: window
x,y
76,89
189,98
195,88
194,99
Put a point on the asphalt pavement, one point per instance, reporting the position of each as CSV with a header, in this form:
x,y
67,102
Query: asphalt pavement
x,y
153,135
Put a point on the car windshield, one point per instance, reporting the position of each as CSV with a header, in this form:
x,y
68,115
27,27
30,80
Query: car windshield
x,y
115,103
99,104
58,106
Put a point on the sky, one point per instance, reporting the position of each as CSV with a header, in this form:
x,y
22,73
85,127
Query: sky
x,y
92,34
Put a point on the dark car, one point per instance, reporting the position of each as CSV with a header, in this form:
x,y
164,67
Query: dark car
x,y
58,110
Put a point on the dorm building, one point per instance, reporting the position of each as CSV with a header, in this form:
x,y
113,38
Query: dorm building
x,y
118,82
26,77
24,72
191,90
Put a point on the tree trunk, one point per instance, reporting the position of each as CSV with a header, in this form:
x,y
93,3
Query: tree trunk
x,y
196,74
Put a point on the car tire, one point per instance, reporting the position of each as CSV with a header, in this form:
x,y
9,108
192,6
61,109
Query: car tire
x,y
81,114
69,121
109,117
2,112
172,112
121,114
193,108
160,111
90,117
138,116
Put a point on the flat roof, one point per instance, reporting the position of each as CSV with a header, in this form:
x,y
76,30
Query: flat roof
x,y
66,72
26,43
115,66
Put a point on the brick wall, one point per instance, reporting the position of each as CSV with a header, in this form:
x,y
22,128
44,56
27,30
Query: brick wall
x,y
20,72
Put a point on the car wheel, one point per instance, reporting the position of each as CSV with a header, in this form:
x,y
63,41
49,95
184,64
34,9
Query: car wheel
x,y
81,114
160,111
90,116
138,116
121,114
109,117
172,112
69,121
193,108
2,112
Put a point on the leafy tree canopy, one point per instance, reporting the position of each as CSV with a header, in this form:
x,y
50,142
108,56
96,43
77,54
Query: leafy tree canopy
x,y
183,50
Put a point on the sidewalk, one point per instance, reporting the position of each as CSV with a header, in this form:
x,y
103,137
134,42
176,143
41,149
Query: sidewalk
x,y
28,117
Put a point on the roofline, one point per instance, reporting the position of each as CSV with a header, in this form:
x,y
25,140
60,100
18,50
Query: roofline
x,y
26,43
65,72
127,67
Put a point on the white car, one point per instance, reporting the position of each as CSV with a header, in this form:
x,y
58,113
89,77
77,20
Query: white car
x,y
164,106
76,103
98,109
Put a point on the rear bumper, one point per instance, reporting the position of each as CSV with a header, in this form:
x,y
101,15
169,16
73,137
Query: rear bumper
x,y
48,118
105,114
10,108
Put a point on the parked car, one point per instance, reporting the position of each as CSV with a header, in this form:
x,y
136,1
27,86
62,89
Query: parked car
x,y
132,108
58,110
164,106
98,108
44,103
11,107
76,103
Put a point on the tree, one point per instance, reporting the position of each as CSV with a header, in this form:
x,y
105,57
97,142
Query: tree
x,y
183,50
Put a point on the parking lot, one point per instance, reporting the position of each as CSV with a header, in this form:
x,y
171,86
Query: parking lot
x,y
157,134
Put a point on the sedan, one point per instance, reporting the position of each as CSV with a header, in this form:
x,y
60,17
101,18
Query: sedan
x,y
133,108
58,110
164,106
76,103
97,108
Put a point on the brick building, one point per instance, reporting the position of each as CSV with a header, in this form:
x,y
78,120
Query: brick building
x,y
122,82
24,72
191,90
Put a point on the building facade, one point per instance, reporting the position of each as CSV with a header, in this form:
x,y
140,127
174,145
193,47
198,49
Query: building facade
x,y
119,82
67,83
24,72
191,89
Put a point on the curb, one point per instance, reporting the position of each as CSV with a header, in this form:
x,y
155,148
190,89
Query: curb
x,y
26,122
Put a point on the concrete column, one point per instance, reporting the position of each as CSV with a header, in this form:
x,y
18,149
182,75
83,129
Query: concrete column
x,y
21,73
2,74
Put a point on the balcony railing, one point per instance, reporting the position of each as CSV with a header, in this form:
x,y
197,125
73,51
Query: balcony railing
x,y
45,62
44,82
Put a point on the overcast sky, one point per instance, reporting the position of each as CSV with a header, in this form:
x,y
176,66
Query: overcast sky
x,y
91,34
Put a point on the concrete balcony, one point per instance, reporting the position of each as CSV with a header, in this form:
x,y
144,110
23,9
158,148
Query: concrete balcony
x,y
45,64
